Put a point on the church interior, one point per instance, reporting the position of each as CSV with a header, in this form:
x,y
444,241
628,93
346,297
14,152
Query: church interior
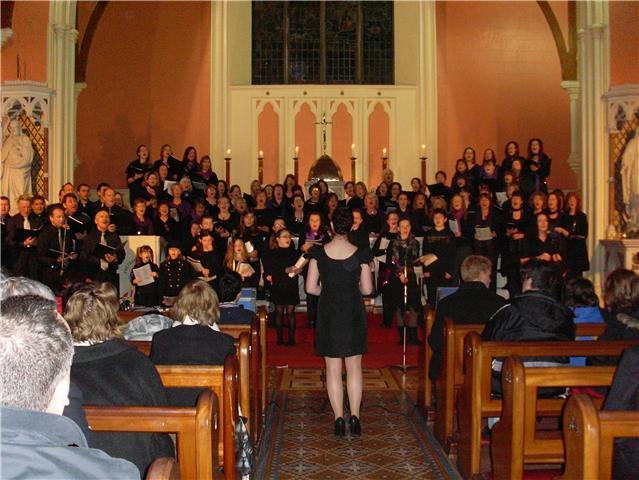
x,y
355,101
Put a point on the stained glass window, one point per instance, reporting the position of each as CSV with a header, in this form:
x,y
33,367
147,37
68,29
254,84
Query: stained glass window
x,y
337,42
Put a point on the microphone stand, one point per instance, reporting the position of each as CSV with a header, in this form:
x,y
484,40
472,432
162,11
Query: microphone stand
x,y
403,367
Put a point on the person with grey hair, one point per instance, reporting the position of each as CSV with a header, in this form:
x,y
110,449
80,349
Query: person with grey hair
x,y
36,350
19,286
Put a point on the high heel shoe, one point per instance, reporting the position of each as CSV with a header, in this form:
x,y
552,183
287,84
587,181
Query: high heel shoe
x,y
355,426
340,427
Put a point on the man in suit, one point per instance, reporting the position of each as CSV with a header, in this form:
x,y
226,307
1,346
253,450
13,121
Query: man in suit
x,y
55,248
85,205
102,268
229,288
472,303
26,262
122,219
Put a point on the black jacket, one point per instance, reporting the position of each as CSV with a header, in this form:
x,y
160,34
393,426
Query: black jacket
x,y
624,395
620,325
532,316
189,345
113,373
473,303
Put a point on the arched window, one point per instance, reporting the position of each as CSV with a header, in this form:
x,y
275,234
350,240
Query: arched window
x,y
323,42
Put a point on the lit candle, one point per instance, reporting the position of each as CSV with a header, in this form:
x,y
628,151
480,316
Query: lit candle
x,y
297,150
352,149
423,150
384,152
228,152
261,154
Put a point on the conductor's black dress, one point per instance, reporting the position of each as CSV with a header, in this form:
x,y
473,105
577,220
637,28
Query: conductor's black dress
x,y
341,320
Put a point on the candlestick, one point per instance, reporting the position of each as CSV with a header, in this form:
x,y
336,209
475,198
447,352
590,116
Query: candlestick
x,y
260,167
423,149
423,158
297,150
227,160
384,159
352,150
384,151
260,154
353,170
296,166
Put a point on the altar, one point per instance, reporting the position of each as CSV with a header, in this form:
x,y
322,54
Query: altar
x,y
327,170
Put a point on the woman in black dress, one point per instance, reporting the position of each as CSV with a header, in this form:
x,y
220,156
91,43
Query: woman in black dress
x,y
384,271
516,227
574,228
341,328
544,245
137,168
278,264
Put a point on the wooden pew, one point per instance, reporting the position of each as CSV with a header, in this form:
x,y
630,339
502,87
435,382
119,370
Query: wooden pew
x,y
163,468
223,382
195,428
589,435
451,374
246,343
475,401
515,440
424,386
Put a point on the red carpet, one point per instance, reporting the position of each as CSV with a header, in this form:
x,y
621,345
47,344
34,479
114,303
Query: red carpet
x,y
383,349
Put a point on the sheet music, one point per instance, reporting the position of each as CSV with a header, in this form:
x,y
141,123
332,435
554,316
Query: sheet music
x,y
454,226
483,234
249,247
245,269
196,264
383,244
428,259
168,184
144,275
502,197
301,262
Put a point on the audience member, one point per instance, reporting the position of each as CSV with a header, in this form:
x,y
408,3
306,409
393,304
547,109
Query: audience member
x,y
229,289
581,298
36,350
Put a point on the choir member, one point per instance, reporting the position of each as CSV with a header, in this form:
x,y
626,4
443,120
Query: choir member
x,y
22,232
296,220
142,225
136,170
574,227
175,273
85,205
511,152
440,242
103,262
190,161
55,248
487,224
145,295
209,256
263,215
279,205
164,225
536,154
516,227
173,165
544,244
315,234
372,216
237,260
313,204
406,304
225,224
384,267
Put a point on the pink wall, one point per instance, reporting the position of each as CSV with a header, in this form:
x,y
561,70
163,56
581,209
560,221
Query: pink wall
x,y
305,139
268,142
498,80
29,41
378,139
624,42
342,140
148,81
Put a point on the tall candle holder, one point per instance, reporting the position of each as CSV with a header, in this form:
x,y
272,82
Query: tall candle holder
x,y
296,166
227,159
260,167
423,159
384,162
353,174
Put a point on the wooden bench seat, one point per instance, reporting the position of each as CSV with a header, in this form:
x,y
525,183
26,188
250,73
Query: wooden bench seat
x,y
424,386
451,374
246,343
589,435
195,428
223,382
515,439
475,401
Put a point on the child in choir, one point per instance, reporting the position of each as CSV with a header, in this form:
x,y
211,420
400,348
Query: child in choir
x,y
145,295
237,260
406,302
440,242
174,273
279,263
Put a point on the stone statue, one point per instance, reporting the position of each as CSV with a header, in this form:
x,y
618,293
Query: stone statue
x,y
17,156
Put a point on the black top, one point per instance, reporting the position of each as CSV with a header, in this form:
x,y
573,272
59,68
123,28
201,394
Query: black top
x,y
113,373
284,289
174,274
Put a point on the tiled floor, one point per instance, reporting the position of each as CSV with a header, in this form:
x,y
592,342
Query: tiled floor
x,y
395,443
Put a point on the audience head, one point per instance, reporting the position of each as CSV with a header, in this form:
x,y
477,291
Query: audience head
x,y
229,287
621,290
580,292
342,221
476,268
21,286
92,313
541,276
36,351
198,301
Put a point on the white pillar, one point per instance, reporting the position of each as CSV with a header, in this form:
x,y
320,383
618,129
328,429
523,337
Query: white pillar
x,y
574,159
594,72
427,85
77,90
219,135
62,37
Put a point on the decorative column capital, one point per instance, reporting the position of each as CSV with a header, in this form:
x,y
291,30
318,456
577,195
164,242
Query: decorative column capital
x,y
7,33
72,34
59,29
572,87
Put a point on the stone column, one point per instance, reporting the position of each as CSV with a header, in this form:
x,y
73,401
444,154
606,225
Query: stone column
x,y
594,72
62,37
574,160
427,85
219,135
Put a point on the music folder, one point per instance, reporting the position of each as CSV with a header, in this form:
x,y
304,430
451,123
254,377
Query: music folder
x,y
102,250
22,234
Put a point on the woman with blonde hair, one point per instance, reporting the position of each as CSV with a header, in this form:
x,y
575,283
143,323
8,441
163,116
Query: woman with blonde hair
x,y
195,338
110,372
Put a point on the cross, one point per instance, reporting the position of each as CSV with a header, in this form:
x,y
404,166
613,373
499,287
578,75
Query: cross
x,y
323,123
